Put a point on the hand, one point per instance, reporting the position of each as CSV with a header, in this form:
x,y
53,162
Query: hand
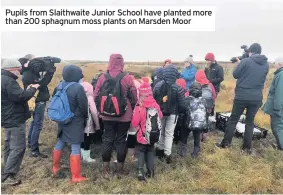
x,y
36,86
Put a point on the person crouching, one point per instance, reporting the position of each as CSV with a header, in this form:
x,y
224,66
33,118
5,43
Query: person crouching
x,y
147,115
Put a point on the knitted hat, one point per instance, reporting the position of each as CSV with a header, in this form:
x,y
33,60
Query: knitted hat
x,y
189,59
201,77
10,64
255,48
167,60
145,90
210,57
181,83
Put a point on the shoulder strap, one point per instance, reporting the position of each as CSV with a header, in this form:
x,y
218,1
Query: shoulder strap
x,y
107,76
68,85
120,76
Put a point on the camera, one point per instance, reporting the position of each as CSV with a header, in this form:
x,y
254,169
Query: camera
x,y
245,54
43,64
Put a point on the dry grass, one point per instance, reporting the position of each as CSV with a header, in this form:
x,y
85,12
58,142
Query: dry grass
x,y
215,171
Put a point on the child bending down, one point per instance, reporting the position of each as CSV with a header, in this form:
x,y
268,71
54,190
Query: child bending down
x,y
146,117
195,120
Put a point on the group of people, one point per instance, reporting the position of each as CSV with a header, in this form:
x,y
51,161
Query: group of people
x,y
136,116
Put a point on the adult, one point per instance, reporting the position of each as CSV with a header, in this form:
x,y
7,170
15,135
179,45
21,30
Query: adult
x,y
189,71
14,113
115,128
72,132
214,72
274,103
171,98
250,74
29,75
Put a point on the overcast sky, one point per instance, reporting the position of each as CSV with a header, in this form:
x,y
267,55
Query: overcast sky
x,y
237,22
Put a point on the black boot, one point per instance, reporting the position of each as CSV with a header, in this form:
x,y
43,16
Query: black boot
x,y
141,176
150,173
195,152
168,159
159,153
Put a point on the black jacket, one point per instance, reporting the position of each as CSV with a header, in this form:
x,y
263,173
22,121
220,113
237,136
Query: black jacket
x,y
215,75
14,106
31,75
251,74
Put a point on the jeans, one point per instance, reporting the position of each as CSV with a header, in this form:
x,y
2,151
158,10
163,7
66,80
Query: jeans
x,y
74,147
14,150
238,108
115,132
145,155
36,126
167,133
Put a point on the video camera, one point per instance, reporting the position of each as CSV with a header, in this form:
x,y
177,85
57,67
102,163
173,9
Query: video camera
x,y
245,54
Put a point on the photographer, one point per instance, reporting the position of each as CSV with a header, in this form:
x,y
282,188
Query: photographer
x,y
37,71
250,73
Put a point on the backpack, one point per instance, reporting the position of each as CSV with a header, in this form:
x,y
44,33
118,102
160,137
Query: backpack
x,y
111,100
165,99
59,108
153,126
196,114
208,96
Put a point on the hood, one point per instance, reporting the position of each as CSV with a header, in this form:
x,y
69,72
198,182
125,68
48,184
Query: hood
x,y
181,83
170,74
259,59
201,77
88,88
149,102
116,63
72,73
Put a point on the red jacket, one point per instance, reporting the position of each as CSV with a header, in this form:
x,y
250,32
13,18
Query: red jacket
x,y
115,67
139,117
201,78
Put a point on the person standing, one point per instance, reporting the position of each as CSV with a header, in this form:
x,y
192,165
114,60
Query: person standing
x,y
14,114
274,103
214,72
189,72
250,74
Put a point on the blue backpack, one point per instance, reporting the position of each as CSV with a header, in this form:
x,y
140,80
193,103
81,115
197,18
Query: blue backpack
x,y
59,107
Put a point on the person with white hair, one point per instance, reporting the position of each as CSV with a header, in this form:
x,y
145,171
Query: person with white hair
x,y
14,114
274,103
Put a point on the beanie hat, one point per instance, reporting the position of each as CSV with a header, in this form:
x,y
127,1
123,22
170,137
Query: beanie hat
x,y
181,83
10,64
189,59
210,57
145,90
201,77
255,48
72,73
145,79
195,90
167,60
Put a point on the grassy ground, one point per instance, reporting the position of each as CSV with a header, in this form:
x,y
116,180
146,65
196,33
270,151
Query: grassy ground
x,y
214,171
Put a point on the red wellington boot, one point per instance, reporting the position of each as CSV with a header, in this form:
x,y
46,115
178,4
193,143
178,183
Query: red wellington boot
x,y
75,163
56,161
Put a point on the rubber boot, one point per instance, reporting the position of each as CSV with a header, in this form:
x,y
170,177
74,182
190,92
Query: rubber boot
x,y
150,173
195,152
182,150
75,164
120,170
159,153
141,176
82,153
56,161
106,170
87,158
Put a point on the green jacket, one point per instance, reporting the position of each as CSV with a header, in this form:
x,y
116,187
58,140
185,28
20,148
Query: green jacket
x,y
274,102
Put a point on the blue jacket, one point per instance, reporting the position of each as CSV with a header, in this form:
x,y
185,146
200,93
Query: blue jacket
x,y
189,75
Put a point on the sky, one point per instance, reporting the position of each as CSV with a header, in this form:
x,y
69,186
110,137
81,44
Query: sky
x,y
238,22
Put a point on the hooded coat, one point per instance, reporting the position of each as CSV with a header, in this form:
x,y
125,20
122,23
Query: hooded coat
x,y
92,108
73,132
115,67
251,74
189,75
157,76
201,78
170,75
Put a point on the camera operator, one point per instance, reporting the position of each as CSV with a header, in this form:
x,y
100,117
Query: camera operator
x,y
33,70
250,73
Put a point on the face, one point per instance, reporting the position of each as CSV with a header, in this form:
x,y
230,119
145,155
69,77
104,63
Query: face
x,y
16,71
187,64
208,63
167,63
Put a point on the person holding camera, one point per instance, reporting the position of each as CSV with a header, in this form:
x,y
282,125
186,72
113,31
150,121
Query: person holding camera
x,y
250,73
14,114
37,71
274,103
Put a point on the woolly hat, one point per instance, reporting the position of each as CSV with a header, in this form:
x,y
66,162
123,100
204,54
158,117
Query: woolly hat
x,y
167,60
10,64
72,73
201,77
255,48
181,83
145,90
189,59
210,57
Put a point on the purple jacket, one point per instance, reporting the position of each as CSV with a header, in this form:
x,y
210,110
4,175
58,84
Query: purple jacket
x,y
115,67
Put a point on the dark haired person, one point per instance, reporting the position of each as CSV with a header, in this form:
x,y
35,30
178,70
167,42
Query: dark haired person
x,y
250,74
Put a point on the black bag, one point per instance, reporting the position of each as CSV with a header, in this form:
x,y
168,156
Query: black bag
x,y
166,94
111,100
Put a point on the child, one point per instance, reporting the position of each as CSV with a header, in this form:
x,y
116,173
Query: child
x,y
146,103
92,124
196,120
